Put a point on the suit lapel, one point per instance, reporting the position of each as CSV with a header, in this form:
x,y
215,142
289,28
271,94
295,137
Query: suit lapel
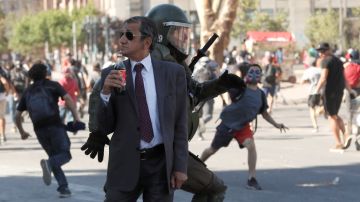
x,y
129,83
159,77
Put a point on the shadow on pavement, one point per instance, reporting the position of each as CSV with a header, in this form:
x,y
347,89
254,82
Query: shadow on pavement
x,y
313,184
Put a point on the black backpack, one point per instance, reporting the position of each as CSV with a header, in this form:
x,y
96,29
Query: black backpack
x,y
269,75
18,79
40,104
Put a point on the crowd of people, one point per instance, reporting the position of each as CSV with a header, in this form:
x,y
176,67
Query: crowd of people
x,y
74,77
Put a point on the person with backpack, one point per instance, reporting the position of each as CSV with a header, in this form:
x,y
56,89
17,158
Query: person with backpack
x,y
70,85
236,119
205,71
352,71
352,76
80,75
271,74
40,100
20,81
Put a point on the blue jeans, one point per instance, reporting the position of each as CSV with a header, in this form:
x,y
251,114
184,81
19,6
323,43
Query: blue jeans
x,y
56,144
65,114
10,107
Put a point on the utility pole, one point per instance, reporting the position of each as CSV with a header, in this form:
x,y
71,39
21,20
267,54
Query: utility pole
x,y
74,40
105,23
341,26
94,27
312,7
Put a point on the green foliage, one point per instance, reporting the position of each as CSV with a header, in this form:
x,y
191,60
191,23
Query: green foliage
x,y
352,33
53,26
356,12
23,37
3,38
78,16
250,19
323,26
32,31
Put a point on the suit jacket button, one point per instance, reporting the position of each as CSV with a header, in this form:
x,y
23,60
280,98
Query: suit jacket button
x,y
138,128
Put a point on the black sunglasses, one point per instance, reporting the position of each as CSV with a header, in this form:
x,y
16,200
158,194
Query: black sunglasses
x,y
129,35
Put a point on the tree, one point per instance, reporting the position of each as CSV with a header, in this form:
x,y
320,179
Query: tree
x,y
216,16
323,26
32,31
221,17
356,12
56,28
78,16
3,38
53,27
249,18
352,29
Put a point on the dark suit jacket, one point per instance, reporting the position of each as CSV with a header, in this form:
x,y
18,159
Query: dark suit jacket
x,y
120,116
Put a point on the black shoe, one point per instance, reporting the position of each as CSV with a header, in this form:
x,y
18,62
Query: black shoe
x,y
46,169
357,145
64,192
253,184
347,142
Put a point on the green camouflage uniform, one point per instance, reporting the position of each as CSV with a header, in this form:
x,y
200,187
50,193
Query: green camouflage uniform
x,y
203,183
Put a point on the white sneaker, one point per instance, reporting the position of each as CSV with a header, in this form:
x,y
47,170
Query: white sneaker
x,y
315,130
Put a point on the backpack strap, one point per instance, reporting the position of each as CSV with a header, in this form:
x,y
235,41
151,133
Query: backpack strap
x,y
44,91
255,127
262,108
263,101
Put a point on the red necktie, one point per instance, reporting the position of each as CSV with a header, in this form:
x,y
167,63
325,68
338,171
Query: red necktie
x,y
146,129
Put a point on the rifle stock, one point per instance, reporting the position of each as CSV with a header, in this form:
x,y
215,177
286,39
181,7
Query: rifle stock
x,y
201,52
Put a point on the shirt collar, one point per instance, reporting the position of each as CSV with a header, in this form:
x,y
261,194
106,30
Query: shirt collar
x,y
146,62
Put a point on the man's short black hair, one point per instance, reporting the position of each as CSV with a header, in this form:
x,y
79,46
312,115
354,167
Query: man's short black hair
x,y
37,71
323,46
245,66
147,28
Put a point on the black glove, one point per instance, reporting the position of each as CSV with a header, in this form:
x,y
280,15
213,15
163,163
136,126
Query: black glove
x,y
95,145
231,81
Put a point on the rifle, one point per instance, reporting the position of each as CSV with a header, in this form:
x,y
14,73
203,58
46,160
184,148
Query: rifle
x,y
201,52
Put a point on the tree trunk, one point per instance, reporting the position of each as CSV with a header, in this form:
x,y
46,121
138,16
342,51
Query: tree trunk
x,y
217,17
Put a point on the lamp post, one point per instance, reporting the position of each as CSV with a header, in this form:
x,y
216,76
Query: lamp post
x,y
105,23
87,27
194,21
94,23
74,39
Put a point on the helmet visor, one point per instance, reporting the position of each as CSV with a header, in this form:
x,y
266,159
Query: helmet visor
x,y
179,36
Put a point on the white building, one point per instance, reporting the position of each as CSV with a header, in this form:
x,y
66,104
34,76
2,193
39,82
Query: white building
x,y
300,10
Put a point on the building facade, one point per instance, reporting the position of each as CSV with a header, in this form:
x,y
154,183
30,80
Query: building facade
x,y
124,9
300,11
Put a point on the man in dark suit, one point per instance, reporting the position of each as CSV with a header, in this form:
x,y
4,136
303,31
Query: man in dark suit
x,y
148,149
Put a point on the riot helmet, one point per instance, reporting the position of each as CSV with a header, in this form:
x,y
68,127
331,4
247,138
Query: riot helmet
x,y
173,27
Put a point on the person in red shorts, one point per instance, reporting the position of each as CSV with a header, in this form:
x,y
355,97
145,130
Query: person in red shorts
x,y
236,118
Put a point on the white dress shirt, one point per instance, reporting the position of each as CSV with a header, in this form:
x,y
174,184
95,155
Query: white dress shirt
x,y
151,99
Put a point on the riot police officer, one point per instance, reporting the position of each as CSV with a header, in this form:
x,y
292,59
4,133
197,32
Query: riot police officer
x,y
173,45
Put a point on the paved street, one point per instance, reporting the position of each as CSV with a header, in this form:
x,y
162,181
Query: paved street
x,y
296,166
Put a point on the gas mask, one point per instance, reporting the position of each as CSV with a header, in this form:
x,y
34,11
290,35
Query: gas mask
x,y
253,75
